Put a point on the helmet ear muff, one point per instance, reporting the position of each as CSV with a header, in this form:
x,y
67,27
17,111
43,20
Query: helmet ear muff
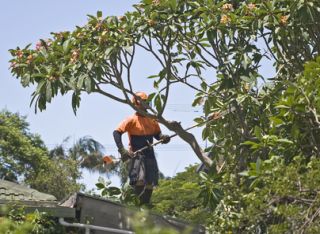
x,y
139,95
134,101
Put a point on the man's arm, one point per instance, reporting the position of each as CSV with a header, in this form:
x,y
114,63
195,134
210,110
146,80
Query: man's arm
x,y
117,138
125,154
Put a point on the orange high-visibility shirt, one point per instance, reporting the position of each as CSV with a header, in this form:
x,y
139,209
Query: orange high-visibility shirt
x,y
140,129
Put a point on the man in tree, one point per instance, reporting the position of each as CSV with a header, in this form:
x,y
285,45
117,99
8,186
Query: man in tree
x,y
143,168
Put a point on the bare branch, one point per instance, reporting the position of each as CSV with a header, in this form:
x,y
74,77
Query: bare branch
x,y
99,90
168,67
150,49
203,48
183,81
128,65
268,46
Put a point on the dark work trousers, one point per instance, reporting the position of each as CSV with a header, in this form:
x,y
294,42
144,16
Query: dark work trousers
x,y
143,175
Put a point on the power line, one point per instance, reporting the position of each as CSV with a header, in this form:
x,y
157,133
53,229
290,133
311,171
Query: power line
x,y
166,148
179,107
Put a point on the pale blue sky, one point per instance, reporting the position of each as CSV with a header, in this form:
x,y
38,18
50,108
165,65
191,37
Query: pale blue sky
x,y
23,22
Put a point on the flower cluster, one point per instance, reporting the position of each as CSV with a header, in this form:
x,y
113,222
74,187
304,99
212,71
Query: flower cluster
x,y
75,56
225,19
284,20
227,7
251,6
156,2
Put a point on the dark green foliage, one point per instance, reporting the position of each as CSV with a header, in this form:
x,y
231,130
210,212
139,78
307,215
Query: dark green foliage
x,y
22,153
17,221
179,197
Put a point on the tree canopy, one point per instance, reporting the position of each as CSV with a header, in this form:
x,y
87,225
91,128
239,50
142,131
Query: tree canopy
x,y
185,38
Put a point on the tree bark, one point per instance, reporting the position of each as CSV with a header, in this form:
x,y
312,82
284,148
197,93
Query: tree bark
x,y
187,137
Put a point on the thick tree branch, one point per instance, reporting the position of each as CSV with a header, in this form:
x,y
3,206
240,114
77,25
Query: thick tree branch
x,y
187,137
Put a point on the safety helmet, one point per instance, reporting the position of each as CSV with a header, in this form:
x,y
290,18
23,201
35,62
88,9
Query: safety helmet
x,y
141,95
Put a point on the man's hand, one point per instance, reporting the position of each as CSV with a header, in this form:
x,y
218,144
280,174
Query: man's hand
x,y
165,139
125,154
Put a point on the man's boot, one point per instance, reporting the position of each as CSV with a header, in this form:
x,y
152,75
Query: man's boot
x,y
138,190
146,196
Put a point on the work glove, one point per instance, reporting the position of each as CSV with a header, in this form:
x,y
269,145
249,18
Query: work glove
x,y
165,139
125,154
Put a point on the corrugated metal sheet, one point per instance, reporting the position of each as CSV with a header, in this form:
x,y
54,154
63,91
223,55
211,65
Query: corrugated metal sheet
x,y
31,200
15,192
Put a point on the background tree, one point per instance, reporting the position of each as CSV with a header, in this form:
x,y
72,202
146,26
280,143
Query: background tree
x,y
22,154
25,158
88,152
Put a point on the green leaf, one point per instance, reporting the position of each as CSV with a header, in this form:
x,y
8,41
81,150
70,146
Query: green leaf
x,y
197,101
147,1
129,49
211,36
48,92
100,186
258,164
99,14
80,81
276,121
244,173
207,107
104,192
195,4
66,46
38,75
203,175
241,98
44,52
114,191
151,96
173,4
253,145
286,141
90,66
204,86
258,132
25,80
108,52
153,76
75,102
205,133
158,103
156,84
282,107
198,120
249,143
88,85
21,65
40,85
